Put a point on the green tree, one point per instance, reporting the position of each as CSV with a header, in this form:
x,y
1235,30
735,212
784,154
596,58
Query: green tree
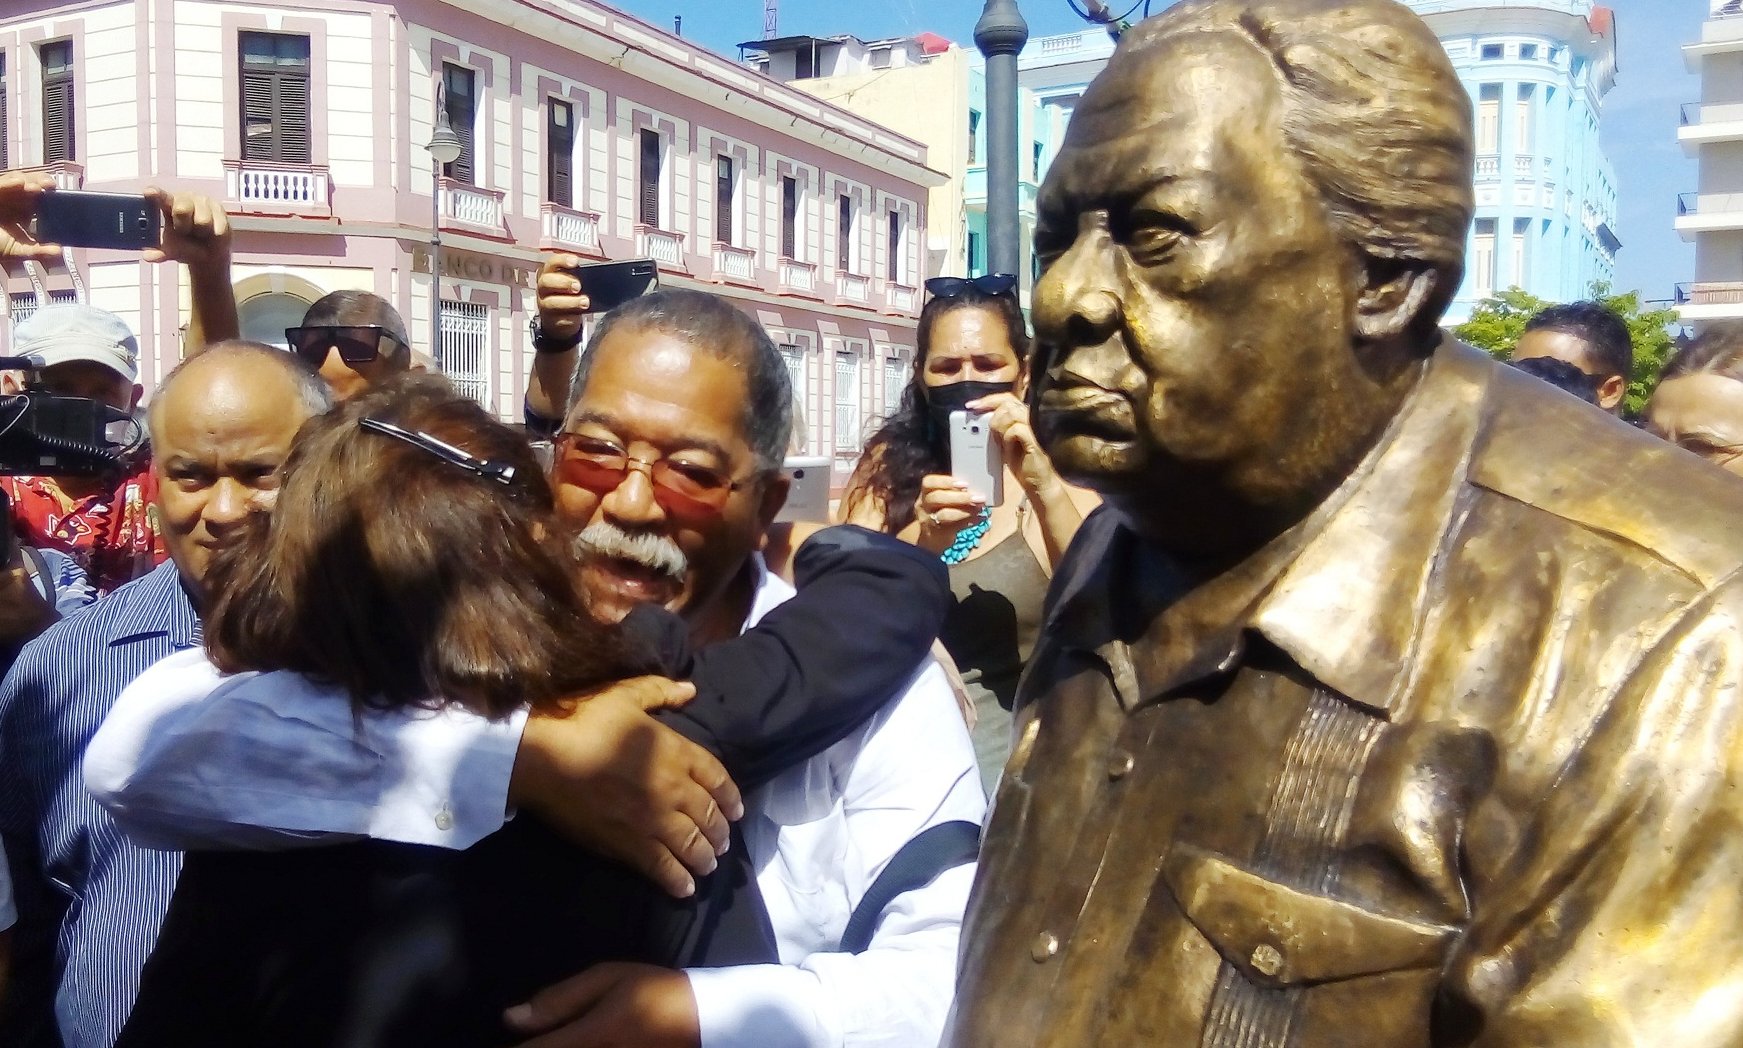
x,y
1499,320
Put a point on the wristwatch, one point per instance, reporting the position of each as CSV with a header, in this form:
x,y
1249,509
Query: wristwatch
x,y
543,343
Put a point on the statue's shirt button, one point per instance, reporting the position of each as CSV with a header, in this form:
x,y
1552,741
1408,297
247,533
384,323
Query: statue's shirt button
x,y
1046,945
1267,960
1119,765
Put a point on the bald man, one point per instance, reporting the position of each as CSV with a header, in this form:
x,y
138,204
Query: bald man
x,y
221,425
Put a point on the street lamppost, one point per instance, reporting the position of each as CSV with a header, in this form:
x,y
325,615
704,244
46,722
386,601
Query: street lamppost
x,y
1000,34
444,149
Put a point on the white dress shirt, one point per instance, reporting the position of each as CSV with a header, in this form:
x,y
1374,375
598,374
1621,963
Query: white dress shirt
x,y
188,759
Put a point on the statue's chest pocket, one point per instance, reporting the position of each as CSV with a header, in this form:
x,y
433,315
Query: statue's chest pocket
x,y
1279,936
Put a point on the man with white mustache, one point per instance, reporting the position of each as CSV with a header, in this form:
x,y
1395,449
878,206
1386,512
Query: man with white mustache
x,y
668,463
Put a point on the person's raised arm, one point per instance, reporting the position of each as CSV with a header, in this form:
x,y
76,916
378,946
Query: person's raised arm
x,y
557,349
196,233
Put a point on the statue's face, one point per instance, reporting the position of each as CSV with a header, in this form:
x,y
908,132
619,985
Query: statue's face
x,y
1194,317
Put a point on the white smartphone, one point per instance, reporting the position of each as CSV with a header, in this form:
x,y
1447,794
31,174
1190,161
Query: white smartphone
x,y
975,458
807,489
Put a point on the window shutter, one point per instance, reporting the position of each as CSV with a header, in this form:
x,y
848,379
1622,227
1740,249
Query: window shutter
x,y
648,210
560,185
723,190
57,122
259,110
460,106
293,118
4,163
790,218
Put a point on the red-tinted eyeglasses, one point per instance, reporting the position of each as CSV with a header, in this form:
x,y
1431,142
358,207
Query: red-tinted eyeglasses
x,y
684,489
356,344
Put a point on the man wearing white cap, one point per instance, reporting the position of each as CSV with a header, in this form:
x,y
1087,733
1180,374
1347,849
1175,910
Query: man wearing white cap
x,y
105,523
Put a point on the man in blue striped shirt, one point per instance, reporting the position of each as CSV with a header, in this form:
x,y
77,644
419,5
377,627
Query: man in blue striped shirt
x,y
90,901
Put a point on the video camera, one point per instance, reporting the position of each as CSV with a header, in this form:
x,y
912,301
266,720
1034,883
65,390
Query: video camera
x,y
51,435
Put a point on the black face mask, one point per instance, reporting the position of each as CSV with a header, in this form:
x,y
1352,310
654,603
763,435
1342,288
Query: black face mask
x,y
942,400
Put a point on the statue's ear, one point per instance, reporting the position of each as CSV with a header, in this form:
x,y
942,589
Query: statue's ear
x,y
1394,294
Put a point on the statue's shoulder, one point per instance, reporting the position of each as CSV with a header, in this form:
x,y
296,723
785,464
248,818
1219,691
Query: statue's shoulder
x,y
1548,450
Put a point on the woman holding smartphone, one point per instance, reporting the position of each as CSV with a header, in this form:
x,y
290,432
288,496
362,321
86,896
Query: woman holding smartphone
x,y
972,356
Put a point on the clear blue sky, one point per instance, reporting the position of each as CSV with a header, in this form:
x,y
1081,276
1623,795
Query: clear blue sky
x,y
1640,115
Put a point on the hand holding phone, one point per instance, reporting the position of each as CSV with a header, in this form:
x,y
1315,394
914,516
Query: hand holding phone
x,y
608,285
974,456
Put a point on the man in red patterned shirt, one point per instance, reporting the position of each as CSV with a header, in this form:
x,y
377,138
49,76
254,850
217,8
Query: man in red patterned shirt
x,y
107,524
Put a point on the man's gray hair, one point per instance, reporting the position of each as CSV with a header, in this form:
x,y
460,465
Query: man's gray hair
x,y
715,326
1374,112
313,393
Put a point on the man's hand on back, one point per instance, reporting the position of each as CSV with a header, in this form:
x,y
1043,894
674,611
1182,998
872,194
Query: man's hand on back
x,y
613,1005
618,782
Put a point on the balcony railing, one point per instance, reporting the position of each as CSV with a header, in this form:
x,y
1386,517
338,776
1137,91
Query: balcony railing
x,y
280,189
900,298
798,277
734,263
472,205
665,248
1524,166
853,289
1488,167
66,173
1710,293
564,228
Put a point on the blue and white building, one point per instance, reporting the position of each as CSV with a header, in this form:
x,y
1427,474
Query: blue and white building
x,y
1537,73
1712,132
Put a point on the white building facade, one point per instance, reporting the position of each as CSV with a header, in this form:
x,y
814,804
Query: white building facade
x,y
585,130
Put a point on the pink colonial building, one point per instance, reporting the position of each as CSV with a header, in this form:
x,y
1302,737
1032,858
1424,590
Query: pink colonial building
x,y
584,130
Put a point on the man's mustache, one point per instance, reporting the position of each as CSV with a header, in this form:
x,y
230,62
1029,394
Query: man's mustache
x,y
650,550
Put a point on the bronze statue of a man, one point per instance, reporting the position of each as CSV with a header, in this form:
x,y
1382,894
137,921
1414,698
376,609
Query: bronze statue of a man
x,y
1394,698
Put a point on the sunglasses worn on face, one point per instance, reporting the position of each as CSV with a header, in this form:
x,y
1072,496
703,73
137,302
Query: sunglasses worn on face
x,y
499,472
683,489
356,344
991,284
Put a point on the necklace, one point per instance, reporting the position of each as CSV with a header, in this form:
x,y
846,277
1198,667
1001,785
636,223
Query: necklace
x,y
966,540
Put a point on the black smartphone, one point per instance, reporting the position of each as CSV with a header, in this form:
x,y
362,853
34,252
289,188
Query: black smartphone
x,y
112,220
608,285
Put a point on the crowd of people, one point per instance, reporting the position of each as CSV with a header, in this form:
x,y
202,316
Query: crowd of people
x,y
336,714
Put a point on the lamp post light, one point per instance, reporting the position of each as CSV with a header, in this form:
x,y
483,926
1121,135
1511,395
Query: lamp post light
x,y
1000,34
444,149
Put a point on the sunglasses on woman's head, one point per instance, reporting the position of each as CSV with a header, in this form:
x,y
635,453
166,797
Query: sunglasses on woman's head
x,y
499,472
357,344
991,284
686,490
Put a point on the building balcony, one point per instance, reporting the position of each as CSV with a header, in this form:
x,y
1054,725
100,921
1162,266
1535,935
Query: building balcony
x,y
1721,33
664,247
851,289
468,208
1488,168
900,298
1524,166
66,174
735,264
797,278
566,229
1710,300
974,192
1708,212
1704,123
259,188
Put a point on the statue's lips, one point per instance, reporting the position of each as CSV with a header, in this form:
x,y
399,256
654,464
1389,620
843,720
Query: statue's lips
x,y
1090,411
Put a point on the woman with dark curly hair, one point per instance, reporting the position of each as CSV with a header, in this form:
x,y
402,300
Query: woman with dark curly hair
x,y
972,355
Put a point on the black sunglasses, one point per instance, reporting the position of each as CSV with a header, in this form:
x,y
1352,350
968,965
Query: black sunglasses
x,y
357,344
500,472
991,284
